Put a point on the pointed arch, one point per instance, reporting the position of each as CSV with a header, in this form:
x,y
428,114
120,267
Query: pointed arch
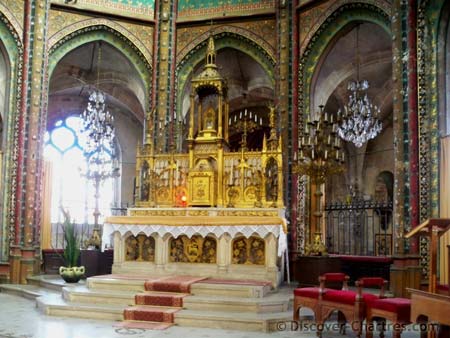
x,y
322,38
71,39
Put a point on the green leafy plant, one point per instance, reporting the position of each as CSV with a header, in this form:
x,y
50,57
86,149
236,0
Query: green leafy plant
x,y
72,240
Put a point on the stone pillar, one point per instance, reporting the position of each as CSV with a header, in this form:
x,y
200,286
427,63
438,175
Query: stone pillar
x,y
271,253
30,139
164,71
413,123
224,253
161,251
119,248
398,127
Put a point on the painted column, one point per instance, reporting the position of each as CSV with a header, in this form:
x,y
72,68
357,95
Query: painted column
x,y
25,252
413,121
165,33
399,170
282,97
294,243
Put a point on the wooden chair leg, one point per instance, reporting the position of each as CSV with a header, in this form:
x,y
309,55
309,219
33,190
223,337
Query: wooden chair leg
x,y
369,328
342,322
397,332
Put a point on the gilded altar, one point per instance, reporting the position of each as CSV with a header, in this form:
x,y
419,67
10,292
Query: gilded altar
x,y
221,242
210,210
209,174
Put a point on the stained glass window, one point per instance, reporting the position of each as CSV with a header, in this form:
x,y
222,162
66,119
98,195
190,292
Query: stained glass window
x,y
70,190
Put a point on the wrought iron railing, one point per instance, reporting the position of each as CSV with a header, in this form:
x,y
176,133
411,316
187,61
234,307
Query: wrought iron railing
x,y
359,228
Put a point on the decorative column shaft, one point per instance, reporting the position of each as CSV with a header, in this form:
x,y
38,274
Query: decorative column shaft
x,y
31,130
399,170
164,73
413,121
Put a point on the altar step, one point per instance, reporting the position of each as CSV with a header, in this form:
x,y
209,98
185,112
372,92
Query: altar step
x,y
55,305
247,307
243,321
201,288
270,303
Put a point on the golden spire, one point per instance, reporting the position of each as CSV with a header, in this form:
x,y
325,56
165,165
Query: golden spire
x,y
211,53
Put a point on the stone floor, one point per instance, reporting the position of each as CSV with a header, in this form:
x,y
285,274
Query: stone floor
x,y
19,318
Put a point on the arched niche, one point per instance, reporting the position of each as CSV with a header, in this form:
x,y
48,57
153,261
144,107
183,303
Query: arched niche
x,y
100,64
361,50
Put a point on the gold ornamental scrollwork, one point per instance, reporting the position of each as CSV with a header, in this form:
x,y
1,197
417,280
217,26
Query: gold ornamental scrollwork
x,y
140,248
248,251
196,249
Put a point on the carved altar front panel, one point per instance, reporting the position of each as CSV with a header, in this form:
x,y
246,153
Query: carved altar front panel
x,y
249,250
196,249
140,248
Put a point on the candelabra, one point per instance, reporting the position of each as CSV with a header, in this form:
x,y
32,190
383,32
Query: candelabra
x,y
98,128
320,156
246,122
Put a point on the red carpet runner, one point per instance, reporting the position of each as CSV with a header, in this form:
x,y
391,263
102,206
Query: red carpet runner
x,y
155,308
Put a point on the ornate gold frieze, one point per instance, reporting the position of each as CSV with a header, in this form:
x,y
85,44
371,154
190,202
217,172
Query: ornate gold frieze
x,y
140,248
196,249
248,250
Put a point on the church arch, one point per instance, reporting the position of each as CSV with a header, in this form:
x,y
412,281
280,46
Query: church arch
x,y
322,39
104,33
311,59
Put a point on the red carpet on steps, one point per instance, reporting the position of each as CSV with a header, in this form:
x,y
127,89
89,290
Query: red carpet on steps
x,y
175,300
149,314
172,284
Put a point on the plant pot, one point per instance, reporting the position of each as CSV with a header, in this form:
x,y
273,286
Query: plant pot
x,y
71,275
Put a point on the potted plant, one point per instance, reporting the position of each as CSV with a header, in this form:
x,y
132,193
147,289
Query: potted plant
x,y
71,273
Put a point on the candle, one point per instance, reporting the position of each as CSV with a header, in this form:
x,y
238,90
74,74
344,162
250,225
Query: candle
x,y
260,121
245,112
295,156
229,121
240,115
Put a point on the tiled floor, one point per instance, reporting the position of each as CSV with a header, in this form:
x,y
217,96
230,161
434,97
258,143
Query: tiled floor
x,y
19,318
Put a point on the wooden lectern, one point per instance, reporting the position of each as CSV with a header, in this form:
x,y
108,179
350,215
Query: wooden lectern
x,y
434,228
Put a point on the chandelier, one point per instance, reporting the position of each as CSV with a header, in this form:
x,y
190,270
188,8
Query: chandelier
x,y
358,122
98,149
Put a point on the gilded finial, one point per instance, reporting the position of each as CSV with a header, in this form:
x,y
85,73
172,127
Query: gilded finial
x,y
211,52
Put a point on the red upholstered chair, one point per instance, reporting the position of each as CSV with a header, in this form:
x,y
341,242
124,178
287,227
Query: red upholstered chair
x,y
309,297
349,304
397,310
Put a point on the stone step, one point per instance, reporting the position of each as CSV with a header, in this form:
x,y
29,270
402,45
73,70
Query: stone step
x,y
52,282
55,305
105,283
230,290
242,321
82,294
26,291
235,304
